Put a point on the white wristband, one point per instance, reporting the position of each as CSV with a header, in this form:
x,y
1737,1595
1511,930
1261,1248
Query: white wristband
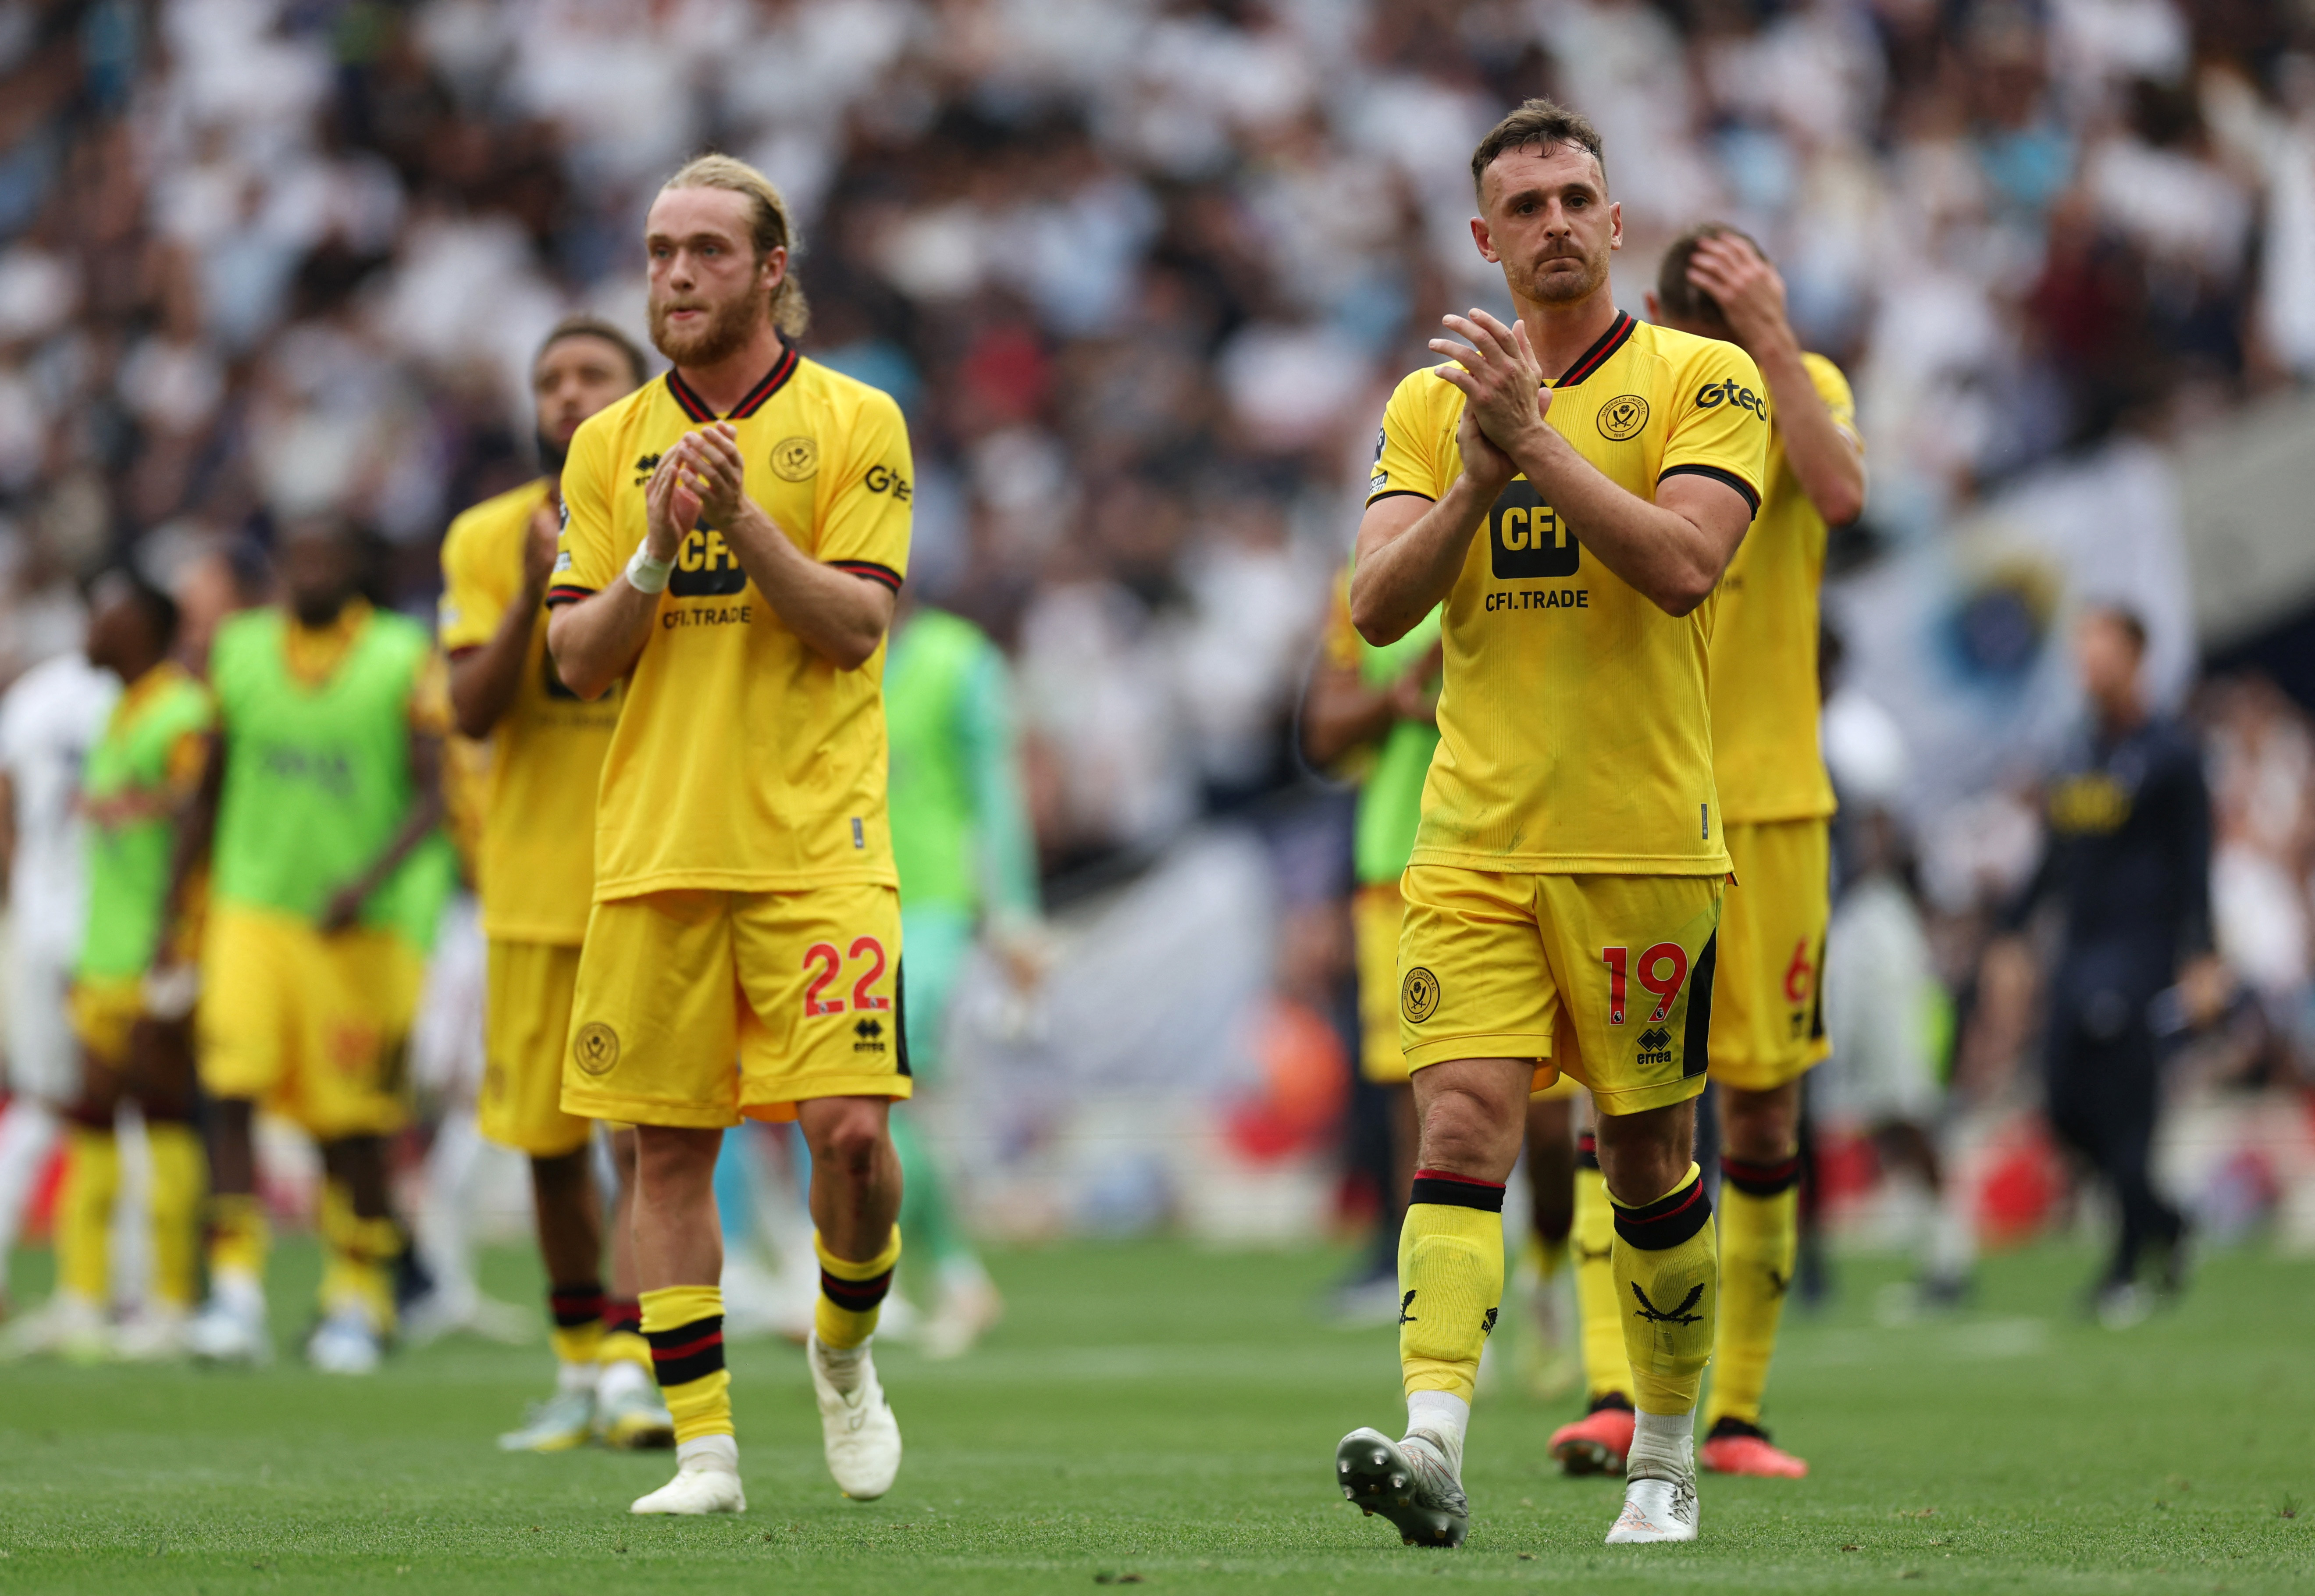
x,y
646,575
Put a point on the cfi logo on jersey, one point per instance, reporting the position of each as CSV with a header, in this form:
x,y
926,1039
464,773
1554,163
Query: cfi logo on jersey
x,y
795,459
704,566
1526,537
1622,417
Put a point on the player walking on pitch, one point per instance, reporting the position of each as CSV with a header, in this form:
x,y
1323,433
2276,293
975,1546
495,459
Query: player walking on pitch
x,y
1768,1021
1565,884
535,872
734,538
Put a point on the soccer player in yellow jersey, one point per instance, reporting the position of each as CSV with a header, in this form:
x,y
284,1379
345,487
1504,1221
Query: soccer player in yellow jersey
x,y
535,872
734,542
1571,486
1768,1023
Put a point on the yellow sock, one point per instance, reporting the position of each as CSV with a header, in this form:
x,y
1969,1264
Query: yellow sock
x,y
851,1294
1667,1285
623,1334
239,1235
181,1172
360,1251
84,1224
1607,1368
576,1315
685,1327
1760,1236
1451,1281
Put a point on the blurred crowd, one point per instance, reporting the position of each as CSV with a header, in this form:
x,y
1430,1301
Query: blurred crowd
x,y
1141,273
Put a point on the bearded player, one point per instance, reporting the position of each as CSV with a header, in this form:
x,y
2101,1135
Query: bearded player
x,y
536,871
1571,486
734,539
1768,1024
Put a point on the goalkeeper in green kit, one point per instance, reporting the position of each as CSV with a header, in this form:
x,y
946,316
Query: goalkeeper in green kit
x,y
960,839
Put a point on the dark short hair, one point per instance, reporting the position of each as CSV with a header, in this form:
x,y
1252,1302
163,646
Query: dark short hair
x,y
2122,616
1681,299
1538,122
594,326
159,609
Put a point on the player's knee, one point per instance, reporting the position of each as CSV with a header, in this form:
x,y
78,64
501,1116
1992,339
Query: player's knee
x,y
1761,1127
1462,1134
851,1140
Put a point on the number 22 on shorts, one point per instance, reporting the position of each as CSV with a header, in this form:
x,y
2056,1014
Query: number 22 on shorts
x,y
1650,970
867,949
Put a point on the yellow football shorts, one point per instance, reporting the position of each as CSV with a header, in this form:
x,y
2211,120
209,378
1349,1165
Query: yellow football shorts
x,y
1375,915
526,1025
315,1027
701,1009
106,1010
1768,1020
1604,978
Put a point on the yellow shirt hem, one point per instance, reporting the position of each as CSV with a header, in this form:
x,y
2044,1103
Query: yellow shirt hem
x,y
1713,864
743,881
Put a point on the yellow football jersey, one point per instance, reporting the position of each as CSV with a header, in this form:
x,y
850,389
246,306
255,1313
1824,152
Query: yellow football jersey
x,y
743,760
1765,705
1574,733
536,867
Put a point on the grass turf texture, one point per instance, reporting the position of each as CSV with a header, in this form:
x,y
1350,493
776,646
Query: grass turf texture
x,y
1157,1414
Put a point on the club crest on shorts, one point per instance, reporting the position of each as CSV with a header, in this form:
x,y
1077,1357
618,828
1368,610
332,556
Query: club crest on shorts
x,y
1622,417
595,1048
795,459
1418,995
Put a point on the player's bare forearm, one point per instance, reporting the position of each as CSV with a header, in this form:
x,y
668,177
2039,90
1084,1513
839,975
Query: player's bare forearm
x,y
1825,459
597,639
1340,713
840,617
196,828
1409,554
484,679
425,814
1671,551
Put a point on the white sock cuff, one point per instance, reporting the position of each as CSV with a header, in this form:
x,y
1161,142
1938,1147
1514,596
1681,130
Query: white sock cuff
x,y
1444,1415
709,1452
575,1376
1663,1434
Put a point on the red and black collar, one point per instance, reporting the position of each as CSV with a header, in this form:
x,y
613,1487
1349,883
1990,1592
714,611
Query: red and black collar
x,y
771,383
1598,355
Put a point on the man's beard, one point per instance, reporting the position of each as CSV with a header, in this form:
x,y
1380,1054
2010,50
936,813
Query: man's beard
x,y
1551,287
727,331
316,611
551,453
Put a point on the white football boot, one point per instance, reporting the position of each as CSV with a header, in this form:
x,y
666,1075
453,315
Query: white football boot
x,y
155,1334
67,1325
706,1481
230,1327
564,1421
1408,1483
346,1342
1659,1498
629,1416
856,1427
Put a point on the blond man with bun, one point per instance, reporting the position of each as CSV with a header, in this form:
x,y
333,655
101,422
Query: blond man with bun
x,y
735,535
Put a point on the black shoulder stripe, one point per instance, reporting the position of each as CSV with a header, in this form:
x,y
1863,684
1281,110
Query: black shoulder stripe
x,y
1720,476
567,594
1399,493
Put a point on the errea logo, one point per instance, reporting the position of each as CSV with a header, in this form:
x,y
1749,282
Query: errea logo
x,y
1713,395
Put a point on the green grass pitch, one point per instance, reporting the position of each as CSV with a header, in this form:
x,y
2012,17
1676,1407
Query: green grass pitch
x,y
1154,1413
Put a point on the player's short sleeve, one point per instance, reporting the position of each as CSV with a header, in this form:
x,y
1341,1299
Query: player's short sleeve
x,y
474,598
585,560
864,529
1409,453
1719,422
1834,389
